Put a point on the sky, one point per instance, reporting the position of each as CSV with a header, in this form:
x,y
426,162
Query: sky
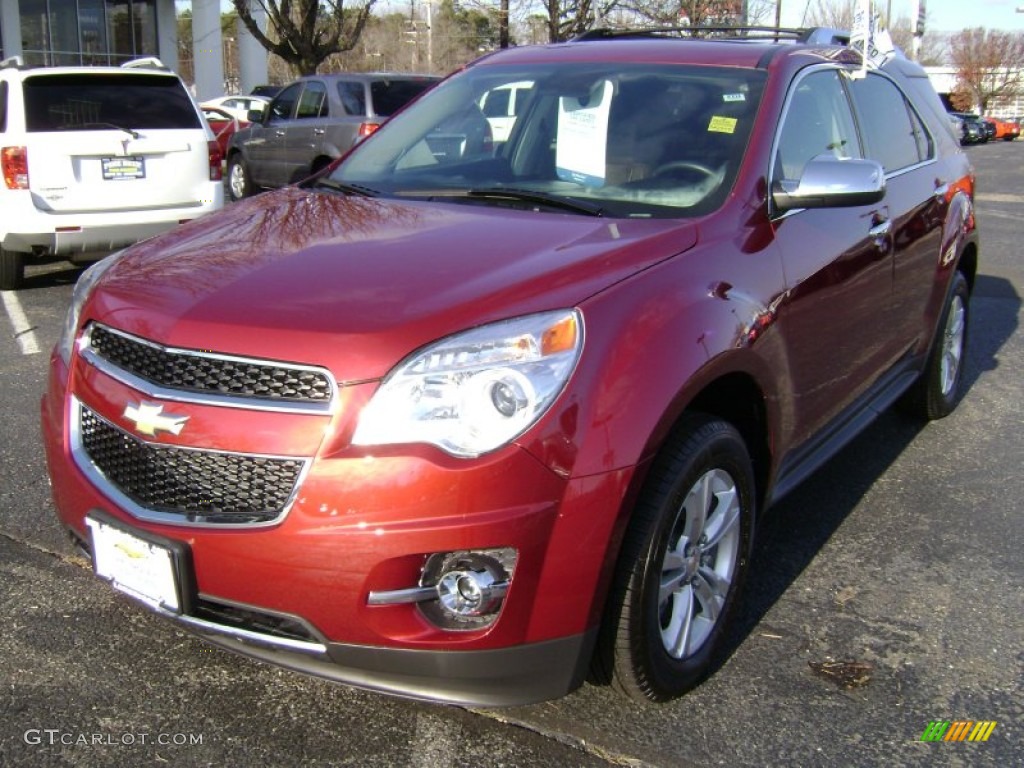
x,y
942,15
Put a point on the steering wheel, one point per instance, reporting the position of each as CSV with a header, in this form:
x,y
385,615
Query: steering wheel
x,y
687,165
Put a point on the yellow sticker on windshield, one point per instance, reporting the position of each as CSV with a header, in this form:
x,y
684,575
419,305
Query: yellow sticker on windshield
x,y
722,124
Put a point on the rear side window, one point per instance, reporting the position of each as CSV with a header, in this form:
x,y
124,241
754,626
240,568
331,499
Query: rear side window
x,y
893,133
3,106
352,98
496,102
87,102
313,102
389,96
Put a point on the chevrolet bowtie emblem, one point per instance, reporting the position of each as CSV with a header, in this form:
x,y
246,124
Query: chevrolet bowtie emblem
x,y
149,419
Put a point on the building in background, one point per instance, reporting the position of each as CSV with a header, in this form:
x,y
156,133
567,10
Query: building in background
x,y
88,32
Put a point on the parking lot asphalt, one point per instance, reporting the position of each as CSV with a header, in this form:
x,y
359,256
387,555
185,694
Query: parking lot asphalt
x,y
885,595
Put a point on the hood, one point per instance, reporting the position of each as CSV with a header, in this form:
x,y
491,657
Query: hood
x,y
355,284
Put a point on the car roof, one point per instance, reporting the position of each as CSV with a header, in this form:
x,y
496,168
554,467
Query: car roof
x,y
371,76
651,48
145,66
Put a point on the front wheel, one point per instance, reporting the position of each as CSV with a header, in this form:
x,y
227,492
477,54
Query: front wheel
x,y
937,391
683,560
239,182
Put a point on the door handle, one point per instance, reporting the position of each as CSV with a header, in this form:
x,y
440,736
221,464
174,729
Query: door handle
x,y
880,231
319,131
279,133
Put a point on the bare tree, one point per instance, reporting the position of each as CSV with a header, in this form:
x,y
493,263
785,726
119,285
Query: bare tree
x,y
568,18
694,13
829,13
305,32
988,64
932,46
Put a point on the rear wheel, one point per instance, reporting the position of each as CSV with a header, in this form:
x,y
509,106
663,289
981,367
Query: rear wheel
x,y
682,563
239,182
12,270
937,391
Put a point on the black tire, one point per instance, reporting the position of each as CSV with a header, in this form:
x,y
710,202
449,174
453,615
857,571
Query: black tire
x,y
938,389
239,180
657,644
12,270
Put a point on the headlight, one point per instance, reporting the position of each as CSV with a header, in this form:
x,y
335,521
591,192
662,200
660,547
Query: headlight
x,y
83,288
473,392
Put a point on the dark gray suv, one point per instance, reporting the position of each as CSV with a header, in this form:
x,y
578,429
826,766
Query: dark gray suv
x,y
311,123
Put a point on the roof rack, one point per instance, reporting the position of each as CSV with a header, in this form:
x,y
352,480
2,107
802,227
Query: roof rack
x,y
813,35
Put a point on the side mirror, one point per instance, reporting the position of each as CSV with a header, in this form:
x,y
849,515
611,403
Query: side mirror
x,y
831,182
255,115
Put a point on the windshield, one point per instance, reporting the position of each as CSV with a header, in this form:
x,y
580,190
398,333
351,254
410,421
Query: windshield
x,y
615,140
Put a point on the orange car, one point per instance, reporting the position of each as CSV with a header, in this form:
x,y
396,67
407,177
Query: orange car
x,y
1007,129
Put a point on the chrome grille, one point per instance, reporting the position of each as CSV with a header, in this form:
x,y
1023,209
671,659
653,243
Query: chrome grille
x,y
199,486
204,372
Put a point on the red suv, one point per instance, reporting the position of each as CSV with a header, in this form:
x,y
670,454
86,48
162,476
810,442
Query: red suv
x,y
462,419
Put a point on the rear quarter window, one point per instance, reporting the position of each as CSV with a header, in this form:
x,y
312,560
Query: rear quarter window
x,y
389,96
3,106
88,102
352,98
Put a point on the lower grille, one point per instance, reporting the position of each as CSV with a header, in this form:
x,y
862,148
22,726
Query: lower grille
x,y
199,486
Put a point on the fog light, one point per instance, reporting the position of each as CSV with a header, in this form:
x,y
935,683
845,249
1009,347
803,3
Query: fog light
x,y
457,590
471,587
469,593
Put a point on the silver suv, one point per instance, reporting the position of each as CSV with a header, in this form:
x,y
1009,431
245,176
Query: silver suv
x,y
313,122
96,158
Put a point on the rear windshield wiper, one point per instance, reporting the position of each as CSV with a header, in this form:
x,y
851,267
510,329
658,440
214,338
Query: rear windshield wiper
x,y
80,126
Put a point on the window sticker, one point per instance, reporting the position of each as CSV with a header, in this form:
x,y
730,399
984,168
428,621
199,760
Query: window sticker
x,y
720,124
730,98
583,137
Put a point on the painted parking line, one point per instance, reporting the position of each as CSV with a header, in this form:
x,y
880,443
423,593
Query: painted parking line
x,y
24,333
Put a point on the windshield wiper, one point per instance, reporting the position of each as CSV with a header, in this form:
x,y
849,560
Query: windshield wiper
x,y
78,126
348,189
533,196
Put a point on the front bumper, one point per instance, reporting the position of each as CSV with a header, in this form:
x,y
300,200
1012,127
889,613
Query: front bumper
x,y
362,524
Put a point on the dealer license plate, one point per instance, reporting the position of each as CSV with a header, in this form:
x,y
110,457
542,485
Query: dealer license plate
x,y
116,168
137,567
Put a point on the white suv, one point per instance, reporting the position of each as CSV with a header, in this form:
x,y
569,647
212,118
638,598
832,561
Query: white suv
x,y
96,158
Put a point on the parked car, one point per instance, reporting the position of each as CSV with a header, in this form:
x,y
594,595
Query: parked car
x,y
266,91
95,158
224,125
965,131
238,107
501,106
1006,130
1013,128
975,126
311,123
463,425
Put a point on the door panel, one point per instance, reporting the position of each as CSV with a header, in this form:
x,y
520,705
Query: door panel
x,y
837,314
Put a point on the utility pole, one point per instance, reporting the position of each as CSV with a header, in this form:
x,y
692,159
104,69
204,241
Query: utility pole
x,y
919,14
